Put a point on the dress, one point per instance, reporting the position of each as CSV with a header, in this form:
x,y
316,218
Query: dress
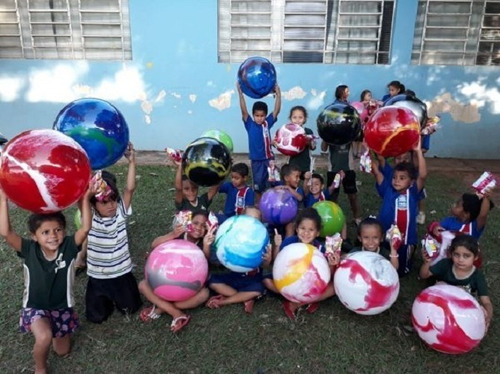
x,y
303,159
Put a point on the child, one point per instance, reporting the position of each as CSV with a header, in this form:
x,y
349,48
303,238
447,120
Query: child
x,y
342,94
371,236
459,270
49,269
259,138
239,195
109,266
290,176
400,201
314,189
395,88
339,157
298,115
233,287
186,193
198,235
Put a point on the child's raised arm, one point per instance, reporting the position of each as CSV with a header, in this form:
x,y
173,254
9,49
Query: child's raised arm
x,y
178,185
84,206
130,186
6,231
483,212
277,103
307,181
379,177
422,167
178,231
243,104
212,191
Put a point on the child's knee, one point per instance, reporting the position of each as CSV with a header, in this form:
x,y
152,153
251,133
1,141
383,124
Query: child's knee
x,y
43,338
62,346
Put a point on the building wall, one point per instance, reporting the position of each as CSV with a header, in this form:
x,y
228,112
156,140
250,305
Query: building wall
x,y
174,89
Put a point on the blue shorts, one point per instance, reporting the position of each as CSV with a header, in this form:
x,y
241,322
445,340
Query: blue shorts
x,y
260,175
405,253
62,321
241,282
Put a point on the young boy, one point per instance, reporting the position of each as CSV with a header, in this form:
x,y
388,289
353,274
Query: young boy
x,y
259,138
49,268
186,193
400,204
290,176
314,189
239,195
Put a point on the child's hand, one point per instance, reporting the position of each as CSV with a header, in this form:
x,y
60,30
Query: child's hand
x,y
307,175
238,87
130,153
277,89
209,237
179,230
277,239
333,258
425,256
266,257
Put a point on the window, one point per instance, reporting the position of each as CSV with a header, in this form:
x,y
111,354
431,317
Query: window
x,y
65,29
457,32
306,31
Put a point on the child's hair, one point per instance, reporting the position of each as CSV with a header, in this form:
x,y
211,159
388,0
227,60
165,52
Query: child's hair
x,y
35,220
370,221
110,180
471,204
309,213
240,168
398,85
410,92
363,94
298,107
199,212
318,176
185,178
288,169
339,91
408,167
252,207
467,241
259,105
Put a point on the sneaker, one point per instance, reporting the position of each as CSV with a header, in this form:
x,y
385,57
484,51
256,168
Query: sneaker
x,y
421,218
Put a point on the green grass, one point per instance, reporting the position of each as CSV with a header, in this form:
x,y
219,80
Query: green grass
x,y
228,341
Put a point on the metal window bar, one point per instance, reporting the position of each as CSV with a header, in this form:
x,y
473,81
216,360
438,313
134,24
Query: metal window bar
x,y
10,20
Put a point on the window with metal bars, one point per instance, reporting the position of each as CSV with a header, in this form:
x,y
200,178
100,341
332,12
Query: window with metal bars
x,y
457,32
306,31
65,29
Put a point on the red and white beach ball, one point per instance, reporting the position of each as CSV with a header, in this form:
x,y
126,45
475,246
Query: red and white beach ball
x,y
290,139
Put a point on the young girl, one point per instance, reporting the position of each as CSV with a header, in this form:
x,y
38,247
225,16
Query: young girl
x,y
395,88
459,270
298,115
49,269
109,266
203,239
308,226
371,236
342,94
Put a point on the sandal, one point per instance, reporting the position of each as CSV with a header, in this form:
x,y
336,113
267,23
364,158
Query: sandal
x,y
179,322
212,303
148,314
287,307
311,308
248,306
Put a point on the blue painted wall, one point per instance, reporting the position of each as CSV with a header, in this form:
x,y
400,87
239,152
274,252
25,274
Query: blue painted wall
x,y
174,88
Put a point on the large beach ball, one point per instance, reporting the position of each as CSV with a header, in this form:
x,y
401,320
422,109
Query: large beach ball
x,y
448,319
206,161
332,217
257,77
301,273
290,139
44,171
176,270
392,131
278,206
366,283
240,243
98,127
410,102
339,124
221,136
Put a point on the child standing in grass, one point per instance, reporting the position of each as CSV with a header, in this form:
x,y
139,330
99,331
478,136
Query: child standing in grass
x,y
459,270
298,115
49,269
203,239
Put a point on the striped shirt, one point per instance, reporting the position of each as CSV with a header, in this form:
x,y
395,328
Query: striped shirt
x,y
108,255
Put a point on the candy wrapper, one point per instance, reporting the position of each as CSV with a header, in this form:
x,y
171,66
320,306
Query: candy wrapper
x,y
336,180
273,171
212,221
446,238
365,162
394,236
174,154
312,140
101,187
485,183
183,218
431,126
333,244
431,246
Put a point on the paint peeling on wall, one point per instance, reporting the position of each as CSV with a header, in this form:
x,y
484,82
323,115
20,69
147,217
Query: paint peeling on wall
x,y
176,95
192,98
223,101
467,113
317,101
479,94
294,93
147,106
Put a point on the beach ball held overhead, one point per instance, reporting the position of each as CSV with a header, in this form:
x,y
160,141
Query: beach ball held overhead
x,y
240,243
366,283
448,319
257,77
339,124
301,273
44,171
98,127
290,139
176,270
412,103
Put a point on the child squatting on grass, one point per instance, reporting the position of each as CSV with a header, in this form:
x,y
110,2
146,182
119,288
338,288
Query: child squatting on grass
x,y
49,268
198,235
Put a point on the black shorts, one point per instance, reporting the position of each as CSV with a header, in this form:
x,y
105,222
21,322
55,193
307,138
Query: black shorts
x,y
104,294
349,181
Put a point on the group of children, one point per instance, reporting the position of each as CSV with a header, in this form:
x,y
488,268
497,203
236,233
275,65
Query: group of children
x,y
50,256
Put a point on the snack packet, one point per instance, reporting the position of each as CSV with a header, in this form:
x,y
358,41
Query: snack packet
x,y
394,236
431,126
485,183
365,162
212,221
333,244
183,218
431,246
174,154
102,188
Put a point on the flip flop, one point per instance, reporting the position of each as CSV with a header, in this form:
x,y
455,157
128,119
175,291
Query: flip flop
x,y
179,322
311,308
248,306
288,310
212,302
148,314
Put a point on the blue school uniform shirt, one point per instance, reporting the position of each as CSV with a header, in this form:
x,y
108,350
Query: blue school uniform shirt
x,y
388,172
454,224
237,198
310,200
259,138
387,214
295,239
